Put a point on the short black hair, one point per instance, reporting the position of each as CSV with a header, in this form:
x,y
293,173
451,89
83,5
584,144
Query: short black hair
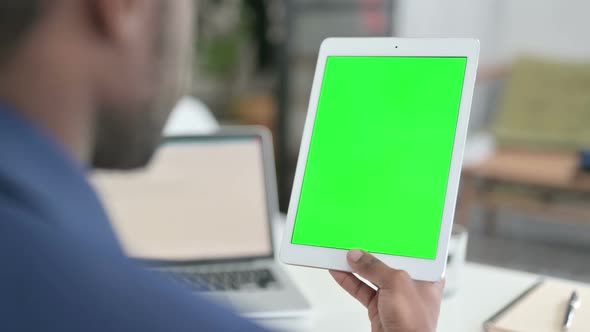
x,y
17,17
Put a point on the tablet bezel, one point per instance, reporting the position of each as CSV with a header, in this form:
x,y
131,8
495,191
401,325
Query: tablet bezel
x,y
329,258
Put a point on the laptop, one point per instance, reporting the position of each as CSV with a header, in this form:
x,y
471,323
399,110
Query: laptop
x,y
201,215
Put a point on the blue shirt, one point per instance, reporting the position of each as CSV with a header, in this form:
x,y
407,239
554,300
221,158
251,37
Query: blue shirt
x,y
61,268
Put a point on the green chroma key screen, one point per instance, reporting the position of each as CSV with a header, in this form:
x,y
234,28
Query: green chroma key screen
x,y
380,154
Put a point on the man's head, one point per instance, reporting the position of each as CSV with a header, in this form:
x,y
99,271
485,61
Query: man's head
x,y
108,71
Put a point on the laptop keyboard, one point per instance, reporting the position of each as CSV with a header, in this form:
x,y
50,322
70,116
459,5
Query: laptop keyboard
x,y
225,280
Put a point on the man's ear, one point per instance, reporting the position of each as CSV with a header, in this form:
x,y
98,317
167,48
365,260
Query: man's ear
x,y
121,21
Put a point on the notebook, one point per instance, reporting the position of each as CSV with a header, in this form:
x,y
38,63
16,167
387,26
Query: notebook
x,y
542,308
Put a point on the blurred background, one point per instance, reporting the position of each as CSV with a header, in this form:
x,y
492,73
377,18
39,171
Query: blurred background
x,y
525,194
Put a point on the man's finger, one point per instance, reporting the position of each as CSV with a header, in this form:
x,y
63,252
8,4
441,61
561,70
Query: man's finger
x,y
353,286
372,269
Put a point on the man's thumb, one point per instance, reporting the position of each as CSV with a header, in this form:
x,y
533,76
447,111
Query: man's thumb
x,y
370,268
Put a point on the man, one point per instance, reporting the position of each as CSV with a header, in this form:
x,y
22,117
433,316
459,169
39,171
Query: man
x,y
89,83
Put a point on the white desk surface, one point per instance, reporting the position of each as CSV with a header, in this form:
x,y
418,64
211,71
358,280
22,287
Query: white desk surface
x,y
483,291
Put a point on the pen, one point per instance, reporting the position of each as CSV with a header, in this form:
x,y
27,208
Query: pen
x,y
573,304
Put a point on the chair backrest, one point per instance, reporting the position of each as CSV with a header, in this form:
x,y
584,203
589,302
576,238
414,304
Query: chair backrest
x,y
546,105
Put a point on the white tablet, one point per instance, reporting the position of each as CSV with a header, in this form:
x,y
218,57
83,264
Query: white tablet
x,y
381,153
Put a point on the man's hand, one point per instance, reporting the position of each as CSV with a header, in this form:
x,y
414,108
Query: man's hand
x,y
401,304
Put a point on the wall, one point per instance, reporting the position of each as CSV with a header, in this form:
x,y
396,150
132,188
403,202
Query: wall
x,y
505,27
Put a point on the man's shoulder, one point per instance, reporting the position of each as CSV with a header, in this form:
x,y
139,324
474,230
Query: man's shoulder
x,y
19,226
27,242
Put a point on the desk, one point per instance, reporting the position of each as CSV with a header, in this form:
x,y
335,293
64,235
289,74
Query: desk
x,y
544,183
484,290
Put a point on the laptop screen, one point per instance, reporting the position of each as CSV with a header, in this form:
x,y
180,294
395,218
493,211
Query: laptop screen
x,y
200,199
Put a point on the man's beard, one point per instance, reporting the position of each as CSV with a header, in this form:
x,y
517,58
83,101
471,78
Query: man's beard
x,y
125,144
